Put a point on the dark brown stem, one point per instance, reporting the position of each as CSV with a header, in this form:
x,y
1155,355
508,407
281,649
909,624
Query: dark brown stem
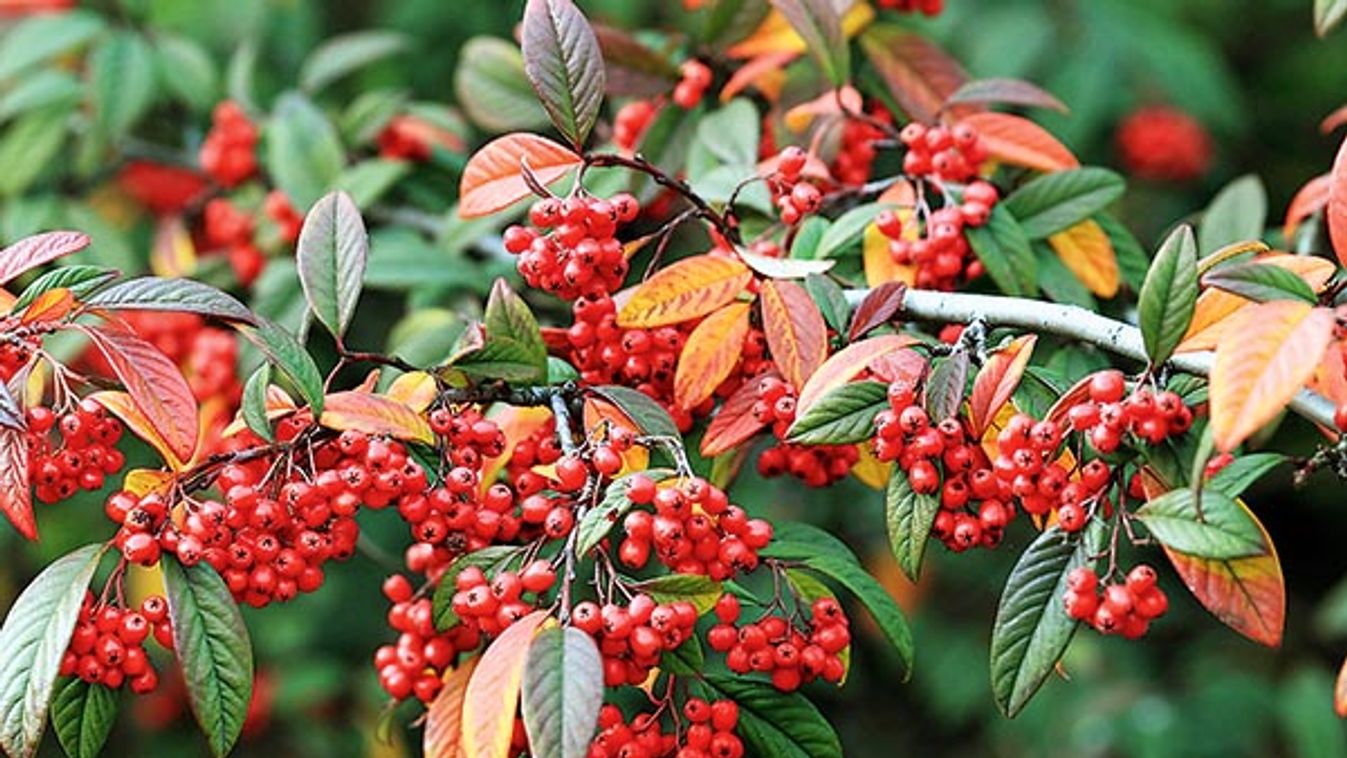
x,y
641,165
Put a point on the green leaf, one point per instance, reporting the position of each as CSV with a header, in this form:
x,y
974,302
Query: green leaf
x,y
492,88
701,591
369,180
29,147
122,78
345,54
1238,213
732,20
82,715
1327,15
153,293
796,541
563,61
1057,201
888,616
239,74
831,300
512,347
213,650
848,229
1260,282
1169,296
1032,630
34,638
1057,281
489,559
1242,472
648,416
80,280
910,517
39,90
254,403
819,24
731,133
1004,250
187,70
44,36
601,519
562,692
1224,530
295,363
1132,259
843,415
303,152
688,659
776,724
331,255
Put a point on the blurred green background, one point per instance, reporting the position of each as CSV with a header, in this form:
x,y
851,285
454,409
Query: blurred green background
x,y
1250,70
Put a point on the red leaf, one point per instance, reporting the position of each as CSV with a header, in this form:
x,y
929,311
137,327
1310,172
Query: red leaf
x,y
154,383
1020,142
492,698
997,381
38,249
846,365
734,422
710,354
16,498
494,177
796,332
919,75
876,309
1337,204
1310,199
444,717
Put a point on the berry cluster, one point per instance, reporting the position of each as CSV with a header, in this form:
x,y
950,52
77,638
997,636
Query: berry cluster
x,y
942,153
794,198
14,355
83,456
941,254
633,638
773,645
631,121
709,733
856,153
1164,144
815,465
229,231
572,249
108,645
162,188
927,7
690,89
1126,608
1107,415
413,138
414,665
693,530
228,152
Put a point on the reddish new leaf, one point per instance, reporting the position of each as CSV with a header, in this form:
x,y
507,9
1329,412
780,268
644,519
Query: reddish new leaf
x,y
878,307
734,422
688,289
1340,692
444,718
491,701
1337,204
846,365
1266,355
16,498
919,75
1310,199
1020,142
1333,120
373,414
155,384
494,177
997,380
710,354
1007,91
796,332
31,252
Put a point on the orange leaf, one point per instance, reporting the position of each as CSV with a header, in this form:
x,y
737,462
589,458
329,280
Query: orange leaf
x,y
776,35
494,177
16,496
372,414
997,380
1340,692
1020,142
142,481
1246,594
1268,353
597,411
444,718
1337,204
688,289
156,385
710,354
278,405
414,389
846,365
1310,199
1215,307
766,72
1087,252
734,422
492,697
515,423
800,117
123,407
796,332
919,75
1330,377
52,305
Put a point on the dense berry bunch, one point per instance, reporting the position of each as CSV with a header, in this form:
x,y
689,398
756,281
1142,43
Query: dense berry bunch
x,y
928,7
1164,144
693,529
794,197
572,249
690,89
708,732
14,355
815,465
631,121
1107,416
283,214
632,638
774,646
856,153
108,645
228,230
73,451
942,153
1126,608
228,152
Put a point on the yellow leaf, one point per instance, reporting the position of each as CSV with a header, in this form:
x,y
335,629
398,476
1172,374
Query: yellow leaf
x,y
688,289
596,411
1268,353
172,253
1085,250
710,354
143,481
515,423
414,389
492,698
372,414
872,472
776,35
